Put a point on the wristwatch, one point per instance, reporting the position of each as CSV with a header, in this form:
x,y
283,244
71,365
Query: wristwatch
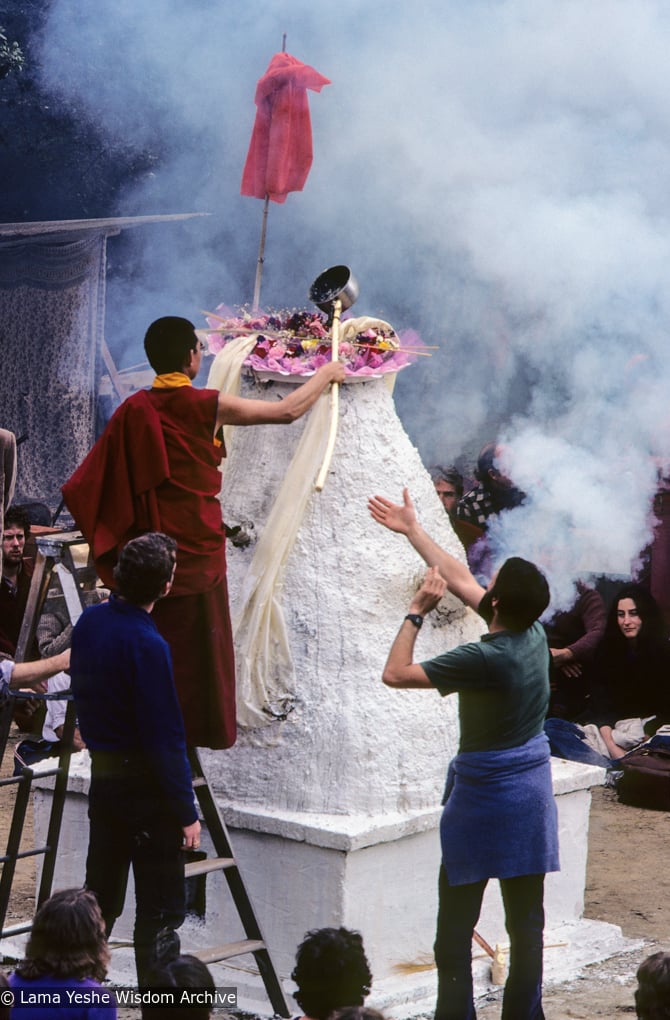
x,y
415,619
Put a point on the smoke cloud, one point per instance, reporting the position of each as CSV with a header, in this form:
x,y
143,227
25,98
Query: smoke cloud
x,y
491,173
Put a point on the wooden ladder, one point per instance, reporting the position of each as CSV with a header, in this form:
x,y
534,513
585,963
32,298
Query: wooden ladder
x,y
48,850
225,861
55,553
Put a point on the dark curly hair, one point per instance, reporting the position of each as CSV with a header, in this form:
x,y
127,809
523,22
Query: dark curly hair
x,y
145,566
16,517
652,995
67,939
331,970
182,971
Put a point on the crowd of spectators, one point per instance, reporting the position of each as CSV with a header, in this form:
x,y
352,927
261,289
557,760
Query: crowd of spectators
x,y
610,650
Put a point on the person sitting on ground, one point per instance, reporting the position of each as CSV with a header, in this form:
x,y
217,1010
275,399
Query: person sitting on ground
x,y
574,636
652,995
331,971
54,634
178,971
50,745
66,951
631,689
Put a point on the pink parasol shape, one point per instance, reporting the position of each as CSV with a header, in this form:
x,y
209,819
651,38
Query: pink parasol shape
x,y
280,152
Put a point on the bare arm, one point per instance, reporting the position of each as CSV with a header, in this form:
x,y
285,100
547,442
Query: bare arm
x,y
400,670
32,674
402,519
233,410
613,749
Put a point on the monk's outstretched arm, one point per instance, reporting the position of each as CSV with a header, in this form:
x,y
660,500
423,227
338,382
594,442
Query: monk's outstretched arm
x,y
233,410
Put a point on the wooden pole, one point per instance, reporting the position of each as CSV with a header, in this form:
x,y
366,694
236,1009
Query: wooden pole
x,y
334,399
261,247
261,258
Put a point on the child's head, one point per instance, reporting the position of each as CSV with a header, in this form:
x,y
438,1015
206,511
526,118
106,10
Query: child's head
x,y
67,939
652,995
180,971
331,970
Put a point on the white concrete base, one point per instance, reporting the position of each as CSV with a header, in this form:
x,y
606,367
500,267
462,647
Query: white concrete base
x,y
376,874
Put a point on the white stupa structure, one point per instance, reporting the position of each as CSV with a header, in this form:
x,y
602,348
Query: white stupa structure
x,y
332,792
335,808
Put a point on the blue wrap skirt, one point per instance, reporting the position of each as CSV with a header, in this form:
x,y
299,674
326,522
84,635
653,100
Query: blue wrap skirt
x,y
500,818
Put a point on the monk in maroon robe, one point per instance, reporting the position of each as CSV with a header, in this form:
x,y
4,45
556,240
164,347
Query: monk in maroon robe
x,y
156,468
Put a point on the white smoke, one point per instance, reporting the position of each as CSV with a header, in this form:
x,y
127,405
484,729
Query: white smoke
x,y
491,173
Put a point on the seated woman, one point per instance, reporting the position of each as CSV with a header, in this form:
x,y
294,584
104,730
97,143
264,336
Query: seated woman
x,y
66,953
631,686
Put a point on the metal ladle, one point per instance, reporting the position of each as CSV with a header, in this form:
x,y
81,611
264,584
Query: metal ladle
x,y
333,292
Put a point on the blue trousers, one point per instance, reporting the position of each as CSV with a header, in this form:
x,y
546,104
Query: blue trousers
x,y
458,913
566,741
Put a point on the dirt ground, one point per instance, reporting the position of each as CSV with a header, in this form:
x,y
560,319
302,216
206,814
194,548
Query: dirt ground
x,y
628,884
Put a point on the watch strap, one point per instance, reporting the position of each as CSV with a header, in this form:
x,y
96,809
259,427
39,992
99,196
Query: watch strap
x,y
416,619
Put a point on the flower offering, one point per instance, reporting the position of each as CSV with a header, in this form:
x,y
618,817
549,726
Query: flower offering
x,y
298,342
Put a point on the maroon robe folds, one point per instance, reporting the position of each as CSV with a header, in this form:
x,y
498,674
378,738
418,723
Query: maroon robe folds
x,y
156,468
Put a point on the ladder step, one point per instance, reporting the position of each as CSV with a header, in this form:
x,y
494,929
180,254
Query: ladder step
x,y
34,852
208,865
16,929
43,774
228,950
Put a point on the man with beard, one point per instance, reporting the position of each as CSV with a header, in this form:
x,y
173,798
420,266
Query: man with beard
x,y
499,819
16,576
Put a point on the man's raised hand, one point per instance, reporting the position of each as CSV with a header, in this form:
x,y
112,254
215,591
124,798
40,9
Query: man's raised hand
x,y
429,594
391,515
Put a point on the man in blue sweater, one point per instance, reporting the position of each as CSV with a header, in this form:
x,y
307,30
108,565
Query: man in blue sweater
x,y
141,805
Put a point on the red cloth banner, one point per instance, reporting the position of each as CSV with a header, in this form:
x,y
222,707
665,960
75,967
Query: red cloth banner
x,y
280,151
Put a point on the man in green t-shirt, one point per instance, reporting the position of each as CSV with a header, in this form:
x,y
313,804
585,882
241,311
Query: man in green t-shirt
x,y
499,818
